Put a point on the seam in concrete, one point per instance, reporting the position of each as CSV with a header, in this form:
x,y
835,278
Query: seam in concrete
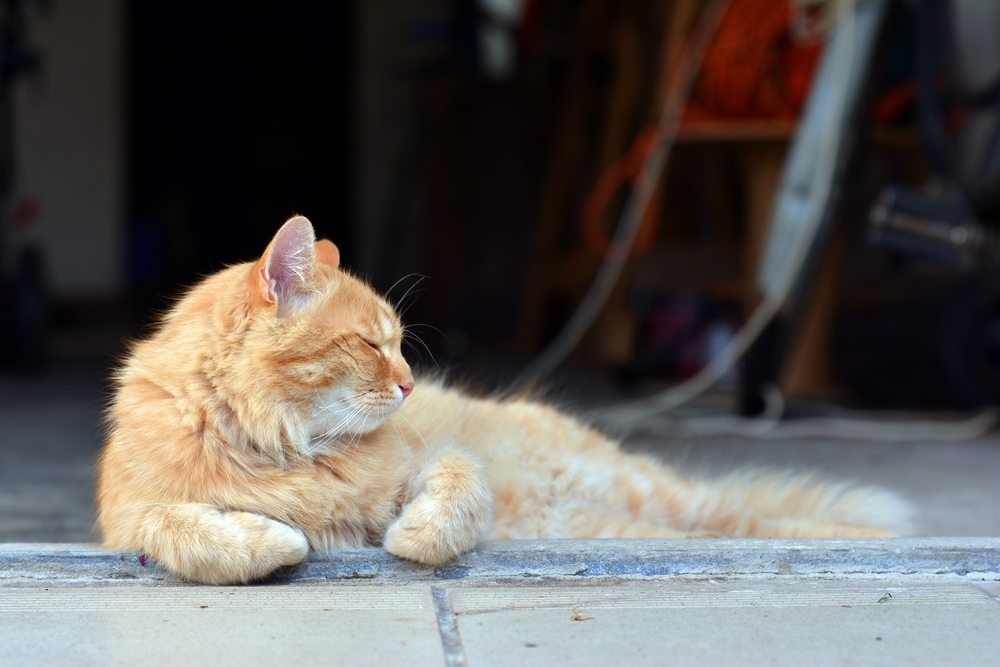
x,y
991,591
454,652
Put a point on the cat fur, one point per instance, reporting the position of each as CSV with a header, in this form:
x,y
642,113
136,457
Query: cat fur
x,y
271,414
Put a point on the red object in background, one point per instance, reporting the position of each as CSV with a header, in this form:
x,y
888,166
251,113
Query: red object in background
x,y
895,101
26,212
623,170
798,62
531,31
754,69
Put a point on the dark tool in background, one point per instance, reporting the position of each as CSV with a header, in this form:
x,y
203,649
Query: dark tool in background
x,y
23,301
942,229
931,334
927,333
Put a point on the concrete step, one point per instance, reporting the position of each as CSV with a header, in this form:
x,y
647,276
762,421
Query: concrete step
x,y
585,558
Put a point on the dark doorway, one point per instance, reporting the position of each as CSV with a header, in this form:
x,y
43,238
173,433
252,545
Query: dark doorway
x,y
240,117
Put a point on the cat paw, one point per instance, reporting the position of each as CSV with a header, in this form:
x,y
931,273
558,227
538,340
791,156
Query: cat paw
x,y
213,546
260,546
420,536
287,544
417,537
449,516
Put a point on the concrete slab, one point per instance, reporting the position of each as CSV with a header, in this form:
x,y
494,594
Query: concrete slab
x,y
242,627
731,623
750,621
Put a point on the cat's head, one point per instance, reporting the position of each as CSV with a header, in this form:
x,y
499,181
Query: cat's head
x,y
332,344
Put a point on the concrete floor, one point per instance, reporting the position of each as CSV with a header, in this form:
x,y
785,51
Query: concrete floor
x,y
627,623
50,434
929,602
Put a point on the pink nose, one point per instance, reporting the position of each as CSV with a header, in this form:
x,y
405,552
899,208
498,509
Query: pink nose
x,y
406,389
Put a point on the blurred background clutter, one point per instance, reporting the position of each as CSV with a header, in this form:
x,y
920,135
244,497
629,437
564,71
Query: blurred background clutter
x,y
479,161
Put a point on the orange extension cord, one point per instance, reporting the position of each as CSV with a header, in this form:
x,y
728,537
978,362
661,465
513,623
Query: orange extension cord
x,y
624,169
753,69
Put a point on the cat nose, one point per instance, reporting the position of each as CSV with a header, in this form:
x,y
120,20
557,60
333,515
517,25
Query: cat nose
x,y
406,388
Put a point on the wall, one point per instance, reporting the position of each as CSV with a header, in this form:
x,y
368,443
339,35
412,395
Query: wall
x,y
70,146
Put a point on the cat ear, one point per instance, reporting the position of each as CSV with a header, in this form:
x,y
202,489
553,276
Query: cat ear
x,y
327,253
285,271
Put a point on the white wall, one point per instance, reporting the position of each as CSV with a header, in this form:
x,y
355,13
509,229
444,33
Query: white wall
x,y
70,146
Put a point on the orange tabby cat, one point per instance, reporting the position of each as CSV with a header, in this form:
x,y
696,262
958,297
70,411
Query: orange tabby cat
x,y
271,413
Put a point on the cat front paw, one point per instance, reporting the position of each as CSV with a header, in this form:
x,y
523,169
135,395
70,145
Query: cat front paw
x,y
214,546
450,515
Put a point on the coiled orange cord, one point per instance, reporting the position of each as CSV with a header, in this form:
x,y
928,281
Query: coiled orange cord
x,y
623,170
753,69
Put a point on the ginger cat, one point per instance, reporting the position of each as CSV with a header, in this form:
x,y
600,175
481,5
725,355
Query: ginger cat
x,y
272,412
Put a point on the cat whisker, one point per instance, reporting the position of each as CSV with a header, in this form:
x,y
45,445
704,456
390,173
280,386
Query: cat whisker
x,y
332,409
403,442
407,327
421,341
336,413
411,304
347,401
335,431
353,412
417,282
418,352
355,441
403,417
408,275
344,424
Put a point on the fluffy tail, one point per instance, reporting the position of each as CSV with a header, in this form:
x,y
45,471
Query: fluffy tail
x,y
802,497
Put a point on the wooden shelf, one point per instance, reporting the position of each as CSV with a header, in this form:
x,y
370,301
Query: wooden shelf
x,y
906,136
721,131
